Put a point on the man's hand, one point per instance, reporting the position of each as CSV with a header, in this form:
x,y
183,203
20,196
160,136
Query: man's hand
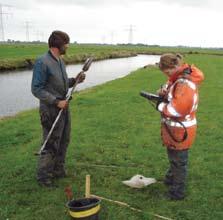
x,y
80,77
63,104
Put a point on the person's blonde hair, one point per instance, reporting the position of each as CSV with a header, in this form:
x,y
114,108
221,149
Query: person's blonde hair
x,y
170,60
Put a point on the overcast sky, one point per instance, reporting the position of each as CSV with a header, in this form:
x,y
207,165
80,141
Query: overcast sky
x,y
163,22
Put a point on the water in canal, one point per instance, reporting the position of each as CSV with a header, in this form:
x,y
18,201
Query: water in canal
x,y
15,86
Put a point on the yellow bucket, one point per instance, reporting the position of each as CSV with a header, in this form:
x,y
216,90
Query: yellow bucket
x,y
84,209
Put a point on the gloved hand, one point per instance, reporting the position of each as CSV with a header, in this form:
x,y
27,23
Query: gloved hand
x,y
80,77
162,91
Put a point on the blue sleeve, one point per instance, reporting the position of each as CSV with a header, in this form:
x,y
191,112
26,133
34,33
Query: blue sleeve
x,y
39,81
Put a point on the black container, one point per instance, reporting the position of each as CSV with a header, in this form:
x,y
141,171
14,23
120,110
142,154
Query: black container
x,y
84,209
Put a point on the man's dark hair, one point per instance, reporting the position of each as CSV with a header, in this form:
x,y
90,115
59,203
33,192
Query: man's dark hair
x,y
58,39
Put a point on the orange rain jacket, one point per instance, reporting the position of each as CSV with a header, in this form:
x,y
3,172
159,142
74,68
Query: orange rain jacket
x,y
178,119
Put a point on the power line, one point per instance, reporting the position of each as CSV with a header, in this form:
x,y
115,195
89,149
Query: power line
x,y
131,30
2,31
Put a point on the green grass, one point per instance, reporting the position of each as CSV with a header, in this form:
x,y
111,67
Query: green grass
x,y
113,125
14,56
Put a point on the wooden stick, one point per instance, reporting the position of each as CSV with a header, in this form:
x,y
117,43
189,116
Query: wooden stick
x,y
132,208
87,186
109,166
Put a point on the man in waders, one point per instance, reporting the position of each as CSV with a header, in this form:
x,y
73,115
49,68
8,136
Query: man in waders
x,y
50,85
178,118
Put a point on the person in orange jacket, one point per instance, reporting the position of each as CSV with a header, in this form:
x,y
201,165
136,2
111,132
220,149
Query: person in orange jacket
x,y
178,118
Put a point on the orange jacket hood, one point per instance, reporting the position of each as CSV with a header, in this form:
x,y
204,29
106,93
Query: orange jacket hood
x,y
190,72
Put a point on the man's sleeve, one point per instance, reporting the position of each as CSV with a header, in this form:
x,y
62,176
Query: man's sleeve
x,y
39,80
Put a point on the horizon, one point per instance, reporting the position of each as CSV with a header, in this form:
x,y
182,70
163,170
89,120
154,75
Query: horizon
x,y
11,41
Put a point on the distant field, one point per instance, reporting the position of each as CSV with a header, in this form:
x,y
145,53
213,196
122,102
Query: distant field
x,y
14,56
115,135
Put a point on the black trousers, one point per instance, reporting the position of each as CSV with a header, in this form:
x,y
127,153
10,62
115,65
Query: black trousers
x,y
177,172
53,159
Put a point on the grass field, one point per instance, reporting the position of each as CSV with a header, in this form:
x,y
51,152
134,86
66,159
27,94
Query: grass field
x,y
113,126
14,56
